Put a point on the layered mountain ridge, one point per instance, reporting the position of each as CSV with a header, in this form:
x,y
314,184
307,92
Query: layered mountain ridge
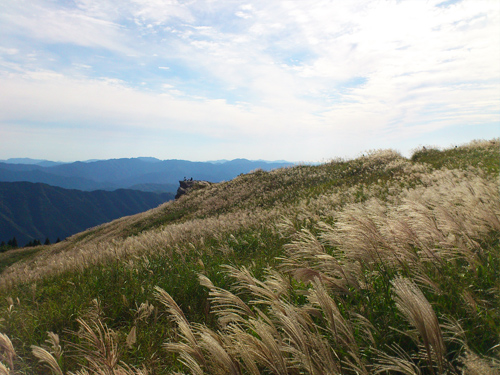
x,y
134,173
42,199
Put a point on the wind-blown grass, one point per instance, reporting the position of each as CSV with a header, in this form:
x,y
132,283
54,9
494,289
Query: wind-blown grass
x,y
374,265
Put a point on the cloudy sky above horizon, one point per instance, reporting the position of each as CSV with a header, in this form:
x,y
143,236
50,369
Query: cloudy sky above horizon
x,y
270,79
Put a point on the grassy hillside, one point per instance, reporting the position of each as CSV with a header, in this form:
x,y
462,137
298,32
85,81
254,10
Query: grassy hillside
x,y
375,265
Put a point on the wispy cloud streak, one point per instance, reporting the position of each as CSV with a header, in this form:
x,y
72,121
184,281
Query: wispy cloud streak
x,y
286,73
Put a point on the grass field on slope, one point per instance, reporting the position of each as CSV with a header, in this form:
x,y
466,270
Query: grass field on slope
x,y
380,264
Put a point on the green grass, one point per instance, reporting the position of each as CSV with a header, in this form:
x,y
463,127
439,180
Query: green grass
x,y
485,158
55,302
305,195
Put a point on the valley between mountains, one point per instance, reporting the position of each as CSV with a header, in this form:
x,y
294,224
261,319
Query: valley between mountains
x,y
46,201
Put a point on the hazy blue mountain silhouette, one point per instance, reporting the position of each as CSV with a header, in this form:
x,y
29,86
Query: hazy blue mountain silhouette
x,y
17,174
43,163
142,173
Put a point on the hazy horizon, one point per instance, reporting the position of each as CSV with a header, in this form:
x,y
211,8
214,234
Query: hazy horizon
x,y
144,157
406,154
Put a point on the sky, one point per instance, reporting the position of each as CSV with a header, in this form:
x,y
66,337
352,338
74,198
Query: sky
x,y
223,79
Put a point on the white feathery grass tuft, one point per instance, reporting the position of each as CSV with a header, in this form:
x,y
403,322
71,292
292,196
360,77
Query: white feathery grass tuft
x,y
98,345
4,370
337,324
132,337
191,348
268,292
400,362
47,358
419,313
220,361
228,307
7,352
475,365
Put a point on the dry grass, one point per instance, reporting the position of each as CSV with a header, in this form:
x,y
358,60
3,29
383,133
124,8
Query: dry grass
x,y
418,311
173,238
97,352
433,225
365,284
7,354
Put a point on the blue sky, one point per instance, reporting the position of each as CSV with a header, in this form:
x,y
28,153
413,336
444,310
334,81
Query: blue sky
x,y
206,80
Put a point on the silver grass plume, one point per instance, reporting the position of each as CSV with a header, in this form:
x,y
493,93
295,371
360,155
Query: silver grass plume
x,y
98,345
337,324
47,359
400,362
220,361
228,307
419,313
475,365
7,352
4,370
265,292
190,351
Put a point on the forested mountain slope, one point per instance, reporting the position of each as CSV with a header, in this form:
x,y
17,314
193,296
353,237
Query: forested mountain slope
x,y
38,211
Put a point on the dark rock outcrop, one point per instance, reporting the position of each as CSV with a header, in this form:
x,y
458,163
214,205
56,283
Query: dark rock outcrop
x,y
187,185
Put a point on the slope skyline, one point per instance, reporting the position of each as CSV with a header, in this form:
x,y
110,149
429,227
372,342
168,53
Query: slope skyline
x,y
197,80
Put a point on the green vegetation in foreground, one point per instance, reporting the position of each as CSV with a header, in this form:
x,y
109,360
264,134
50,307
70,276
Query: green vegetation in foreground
x,y
373,264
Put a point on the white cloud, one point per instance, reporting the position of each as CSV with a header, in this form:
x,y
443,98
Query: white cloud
x,y
49,97
8,51
50,24
285,71
159,11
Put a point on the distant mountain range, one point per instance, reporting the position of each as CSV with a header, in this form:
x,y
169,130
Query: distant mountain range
x,y
42,163
44,199
145,173
31,211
